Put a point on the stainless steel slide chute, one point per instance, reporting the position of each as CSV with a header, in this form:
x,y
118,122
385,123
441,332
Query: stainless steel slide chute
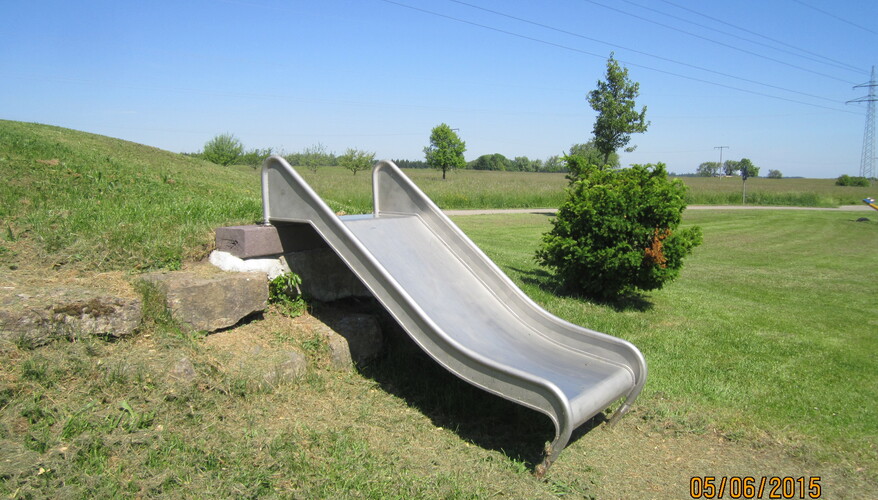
x,y
459,307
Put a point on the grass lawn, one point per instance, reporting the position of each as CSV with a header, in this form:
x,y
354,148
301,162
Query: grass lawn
x,y
768,334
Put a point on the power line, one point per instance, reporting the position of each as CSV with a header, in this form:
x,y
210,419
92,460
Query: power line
x,y
723,44
719,170
612,45
867,161
817,57
581,51
830,14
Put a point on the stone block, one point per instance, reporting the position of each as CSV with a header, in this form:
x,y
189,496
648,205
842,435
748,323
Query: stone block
x,y
363,334
183,370
271,266
353,338
291,366
213,302
39,316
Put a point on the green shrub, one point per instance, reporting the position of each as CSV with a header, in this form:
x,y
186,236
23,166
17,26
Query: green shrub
x,y
618,231
254,157
224,149
847,180
494,161
284,292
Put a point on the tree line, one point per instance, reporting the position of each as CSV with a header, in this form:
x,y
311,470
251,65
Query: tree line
x,y
743,167
226,149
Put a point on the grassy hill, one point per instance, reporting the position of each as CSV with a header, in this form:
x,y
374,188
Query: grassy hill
x,y
86,201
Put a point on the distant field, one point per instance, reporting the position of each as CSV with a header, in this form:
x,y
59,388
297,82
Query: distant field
x,y
782,192
491,189
462,189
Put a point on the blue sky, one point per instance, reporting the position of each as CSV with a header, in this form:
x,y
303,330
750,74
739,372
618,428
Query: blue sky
x,y
769,79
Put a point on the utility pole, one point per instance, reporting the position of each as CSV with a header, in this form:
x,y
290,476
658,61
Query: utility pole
x,y
867,161
720,156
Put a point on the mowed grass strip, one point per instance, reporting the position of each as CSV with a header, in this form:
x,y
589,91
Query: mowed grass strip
x,y
769,333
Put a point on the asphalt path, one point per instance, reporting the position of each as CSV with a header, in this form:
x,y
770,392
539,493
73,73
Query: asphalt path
x,y
551,211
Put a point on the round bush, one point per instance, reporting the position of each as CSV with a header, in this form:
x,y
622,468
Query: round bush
x,y
618,231
223,149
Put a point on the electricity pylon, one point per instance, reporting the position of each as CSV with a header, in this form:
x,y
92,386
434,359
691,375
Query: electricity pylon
x,y
867,161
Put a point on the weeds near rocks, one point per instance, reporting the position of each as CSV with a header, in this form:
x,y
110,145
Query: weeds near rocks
x,y
284,292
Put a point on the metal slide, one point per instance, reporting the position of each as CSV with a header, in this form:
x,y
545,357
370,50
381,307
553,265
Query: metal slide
x,y
459,306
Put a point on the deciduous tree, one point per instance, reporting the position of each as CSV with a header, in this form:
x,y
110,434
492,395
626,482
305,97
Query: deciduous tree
x,y
522,164
494,161
445,150
552,164
708,169
314,156
730,167
591,154
617,118
847,180
356,160
747,168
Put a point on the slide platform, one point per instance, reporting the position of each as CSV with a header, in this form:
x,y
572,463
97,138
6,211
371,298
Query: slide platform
x,y
459,307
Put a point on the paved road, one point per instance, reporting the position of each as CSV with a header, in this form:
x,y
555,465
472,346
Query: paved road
x,y
551,211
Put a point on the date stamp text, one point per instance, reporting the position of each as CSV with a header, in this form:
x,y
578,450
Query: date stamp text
x,y
755,487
